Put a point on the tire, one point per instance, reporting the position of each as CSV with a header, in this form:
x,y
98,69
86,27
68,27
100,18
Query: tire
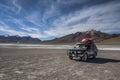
x,y
94,56
70,57
84,57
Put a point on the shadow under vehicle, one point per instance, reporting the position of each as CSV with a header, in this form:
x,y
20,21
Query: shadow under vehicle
x,y
83,50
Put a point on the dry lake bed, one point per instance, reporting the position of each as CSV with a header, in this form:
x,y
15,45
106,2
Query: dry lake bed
x,y
53,64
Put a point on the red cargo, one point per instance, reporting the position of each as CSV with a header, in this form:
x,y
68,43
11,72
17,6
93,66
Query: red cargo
x,y
86,40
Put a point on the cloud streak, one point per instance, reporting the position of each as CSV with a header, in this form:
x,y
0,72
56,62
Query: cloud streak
x,y
102,17
17,6
26,31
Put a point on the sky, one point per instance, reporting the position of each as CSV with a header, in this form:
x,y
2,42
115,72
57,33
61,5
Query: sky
x,y
49,19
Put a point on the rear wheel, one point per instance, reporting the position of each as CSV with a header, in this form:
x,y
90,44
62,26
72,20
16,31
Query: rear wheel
x,y
84,57
94,56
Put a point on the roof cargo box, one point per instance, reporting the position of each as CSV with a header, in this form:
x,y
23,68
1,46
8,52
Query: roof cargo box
x,y
87,40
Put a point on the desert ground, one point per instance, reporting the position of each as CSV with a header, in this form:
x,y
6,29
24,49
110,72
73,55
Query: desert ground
x,y
53,64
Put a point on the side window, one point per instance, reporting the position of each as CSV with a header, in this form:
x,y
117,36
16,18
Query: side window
x,y
92,46
88,47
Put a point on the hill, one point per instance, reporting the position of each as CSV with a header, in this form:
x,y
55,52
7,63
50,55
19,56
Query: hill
x,y
18,39
111,41
98,36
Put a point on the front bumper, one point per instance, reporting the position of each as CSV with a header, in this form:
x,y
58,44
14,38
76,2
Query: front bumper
x,y
75,53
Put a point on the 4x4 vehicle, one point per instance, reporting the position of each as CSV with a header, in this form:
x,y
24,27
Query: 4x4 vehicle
x,y
83,50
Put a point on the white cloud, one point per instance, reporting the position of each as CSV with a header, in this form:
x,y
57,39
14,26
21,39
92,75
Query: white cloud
x,y
34,18
5,28
33,32
30,29
71,1
51,11
103,17
6,8
20,33
17,6
22,26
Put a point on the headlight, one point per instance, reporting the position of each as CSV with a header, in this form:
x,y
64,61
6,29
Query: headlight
x,y
79,52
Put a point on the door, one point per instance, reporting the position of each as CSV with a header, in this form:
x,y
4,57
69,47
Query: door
x,y
90,49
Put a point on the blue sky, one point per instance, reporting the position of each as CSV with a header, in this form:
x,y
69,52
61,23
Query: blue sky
x,y
48,19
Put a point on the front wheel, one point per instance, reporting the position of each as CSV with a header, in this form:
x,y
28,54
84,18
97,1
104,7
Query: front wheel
x,y
70,57
84,57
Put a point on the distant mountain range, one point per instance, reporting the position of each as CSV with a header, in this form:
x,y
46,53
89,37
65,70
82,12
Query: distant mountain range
x,y
76,37
98,36
18,39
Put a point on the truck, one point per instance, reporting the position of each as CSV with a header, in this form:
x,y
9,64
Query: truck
x,y
83,50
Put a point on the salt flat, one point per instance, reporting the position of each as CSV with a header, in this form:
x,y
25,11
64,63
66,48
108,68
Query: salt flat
x,y
53,64
100,47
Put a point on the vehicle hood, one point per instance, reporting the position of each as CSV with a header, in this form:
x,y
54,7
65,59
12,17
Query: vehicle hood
x,y
75,49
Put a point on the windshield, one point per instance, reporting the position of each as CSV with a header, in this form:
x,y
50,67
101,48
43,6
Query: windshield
x,y
80,46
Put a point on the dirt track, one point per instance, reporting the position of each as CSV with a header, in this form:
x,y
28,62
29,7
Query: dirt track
x,y
42,64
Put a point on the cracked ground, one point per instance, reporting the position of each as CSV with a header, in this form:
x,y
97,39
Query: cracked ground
x,y
53,64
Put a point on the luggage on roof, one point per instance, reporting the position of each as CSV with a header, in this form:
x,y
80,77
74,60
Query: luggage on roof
x,y
86,40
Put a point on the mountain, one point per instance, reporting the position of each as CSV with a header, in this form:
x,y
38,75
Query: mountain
x,y
98,36
18,39
76,37
113,40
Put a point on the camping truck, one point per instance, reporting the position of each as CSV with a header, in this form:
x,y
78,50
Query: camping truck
x,y
83,50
